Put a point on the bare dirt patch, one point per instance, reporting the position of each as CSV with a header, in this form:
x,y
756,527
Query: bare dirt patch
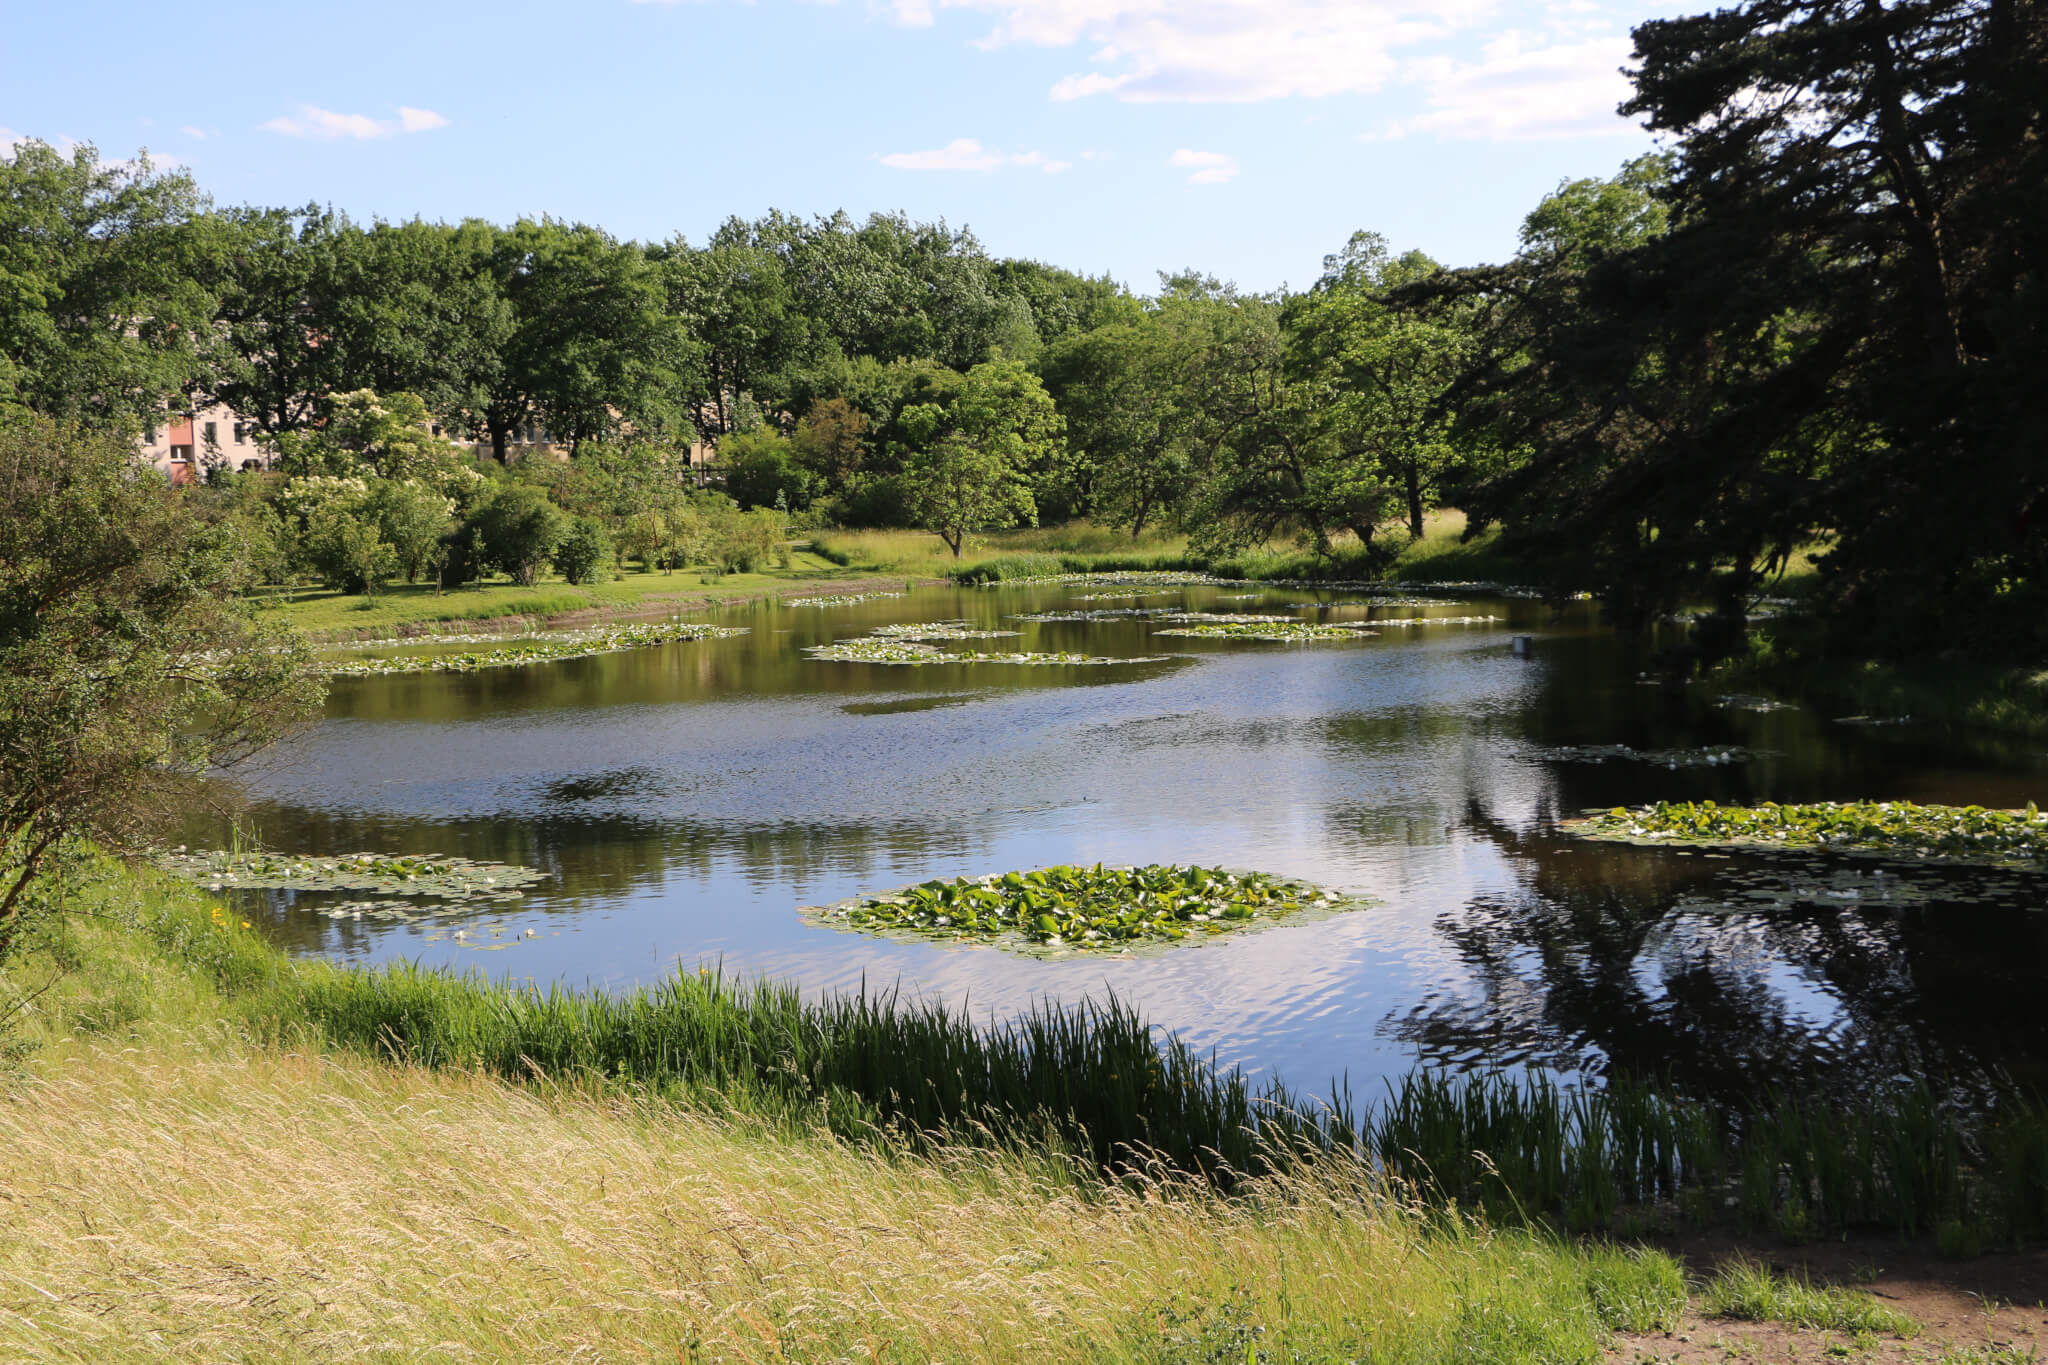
x,y
1973,1312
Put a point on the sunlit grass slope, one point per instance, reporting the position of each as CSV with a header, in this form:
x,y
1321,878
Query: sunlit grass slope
x,y
184,1175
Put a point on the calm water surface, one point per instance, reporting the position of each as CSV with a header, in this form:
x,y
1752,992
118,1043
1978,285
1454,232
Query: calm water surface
x,y
687,799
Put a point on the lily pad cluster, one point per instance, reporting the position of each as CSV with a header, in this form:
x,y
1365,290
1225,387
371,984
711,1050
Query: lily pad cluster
x,y
1286,631
451,638
940,630
1712,756
1743,701
845,599
874,650
1229,618
577,647
1435,620
1086,908
1136,578
2005,838
429,875
1124,596
1089,614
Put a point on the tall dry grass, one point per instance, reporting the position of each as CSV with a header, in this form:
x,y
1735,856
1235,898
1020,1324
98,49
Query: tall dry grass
x,y
168,1200
189,1173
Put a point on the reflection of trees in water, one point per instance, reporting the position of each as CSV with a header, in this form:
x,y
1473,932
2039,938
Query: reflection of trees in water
x,y
591,857
1653,961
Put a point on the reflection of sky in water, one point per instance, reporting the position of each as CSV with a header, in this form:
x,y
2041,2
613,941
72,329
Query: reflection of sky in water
x,y
1738,947
688,798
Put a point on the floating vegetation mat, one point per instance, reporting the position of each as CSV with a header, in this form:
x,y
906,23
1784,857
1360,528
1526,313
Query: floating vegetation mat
x,y
1435,620
845,599
463,884
1742,701
940,630
469,638
1287,630
578,647
1085,909
1711,757
1125,596
1796,882
1234,618
1090,614
1893,829
1136,578
887,651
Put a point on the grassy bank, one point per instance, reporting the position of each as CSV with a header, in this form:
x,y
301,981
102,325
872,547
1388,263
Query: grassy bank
x,y
192,1169
1094,1090
1441,555
323,613
854,556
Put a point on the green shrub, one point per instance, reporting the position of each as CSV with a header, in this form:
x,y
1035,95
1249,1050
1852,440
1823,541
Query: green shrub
x,y
519,529
413,519
760,468
584,554
875,502
345,547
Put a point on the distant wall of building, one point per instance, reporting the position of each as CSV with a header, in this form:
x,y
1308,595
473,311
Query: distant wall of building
x,y
181,445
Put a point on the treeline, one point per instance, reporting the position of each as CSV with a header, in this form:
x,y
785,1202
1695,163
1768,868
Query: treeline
x,y
1815,323
856,373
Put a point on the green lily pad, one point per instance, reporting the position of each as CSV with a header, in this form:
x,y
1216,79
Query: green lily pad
x,y
1891,829
910,652
1085,909
582,645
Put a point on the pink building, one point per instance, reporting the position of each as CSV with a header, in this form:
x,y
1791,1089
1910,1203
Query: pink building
x,y
184,444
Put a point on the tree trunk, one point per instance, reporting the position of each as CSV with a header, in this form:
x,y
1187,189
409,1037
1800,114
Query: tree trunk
x,y
1414,502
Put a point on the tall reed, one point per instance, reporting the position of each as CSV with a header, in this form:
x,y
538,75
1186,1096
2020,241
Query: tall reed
x,y
1097,1083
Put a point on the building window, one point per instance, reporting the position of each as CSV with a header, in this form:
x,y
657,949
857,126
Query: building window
x,y
212,434
238,434
181,454
149,434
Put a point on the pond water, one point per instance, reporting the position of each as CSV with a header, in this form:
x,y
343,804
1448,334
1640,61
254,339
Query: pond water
x,y
686,799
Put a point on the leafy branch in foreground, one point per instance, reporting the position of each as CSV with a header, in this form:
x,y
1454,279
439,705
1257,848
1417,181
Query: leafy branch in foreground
x,y
128,666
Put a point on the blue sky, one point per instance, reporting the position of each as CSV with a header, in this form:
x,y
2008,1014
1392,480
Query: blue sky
x,y
1132,136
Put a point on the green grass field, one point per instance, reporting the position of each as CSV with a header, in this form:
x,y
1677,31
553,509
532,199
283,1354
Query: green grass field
x,y
845,556
320,612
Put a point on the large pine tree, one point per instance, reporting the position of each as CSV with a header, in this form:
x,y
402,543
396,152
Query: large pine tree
x,y
1843,331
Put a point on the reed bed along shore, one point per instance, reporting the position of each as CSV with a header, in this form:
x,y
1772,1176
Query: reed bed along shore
x,y
210,1152
1093,1085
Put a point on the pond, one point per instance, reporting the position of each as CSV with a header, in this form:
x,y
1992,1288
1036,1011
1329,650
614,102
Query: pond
x,y
685,800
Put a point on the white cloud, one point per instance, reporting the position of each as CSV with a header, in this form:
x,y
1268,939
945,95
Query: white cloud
x,y
1519,90
1042,161
1200,51
10,142
1555,76
327,126
1210,168
196,134
966,154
